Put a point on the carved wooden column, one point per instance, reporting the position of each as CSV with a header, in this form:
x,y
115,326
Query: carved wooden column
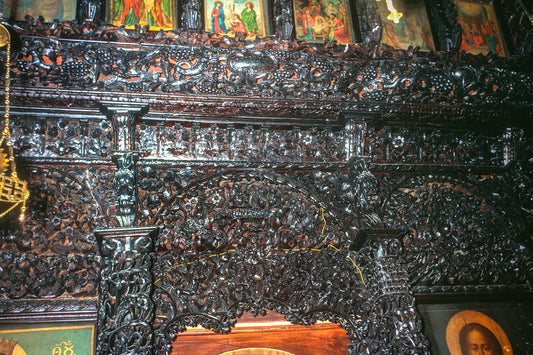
x,y
394,325
125,309
123,117
283,19
191,17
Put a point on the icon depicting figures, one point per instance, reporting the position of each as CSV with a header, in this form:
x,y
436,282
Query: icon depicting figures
x,y
321,20
236,17
249,18
154,13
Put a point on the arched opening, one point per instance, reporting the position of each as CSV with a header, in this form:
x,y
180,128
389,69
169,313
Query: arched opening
x,y
247,243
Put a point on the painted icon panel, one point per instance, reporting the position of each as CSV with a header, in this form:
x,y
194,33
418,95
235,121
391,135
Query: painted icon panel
x,y
158,14
481,33
247,18
475,330
49,338
62,10
405,24
318,21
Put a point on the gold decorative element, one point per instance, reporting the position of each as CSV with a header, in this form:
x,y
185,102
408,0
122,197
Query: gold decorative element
x,y
13,191
7,346
4,162
394,15
492,331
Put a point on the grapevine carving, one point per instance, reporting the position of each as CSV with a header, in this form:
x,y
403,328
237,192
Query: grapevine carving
x,y
272,72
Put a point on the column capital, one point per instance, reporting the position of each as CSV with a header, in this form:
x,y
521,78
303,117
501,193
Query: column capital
x,y
123,116
117,240
113,107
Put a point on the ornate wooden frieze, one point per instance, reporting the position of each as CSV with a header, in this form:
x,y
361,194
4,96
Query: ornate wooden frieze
x,y
415,144
233,143
270,71
42,136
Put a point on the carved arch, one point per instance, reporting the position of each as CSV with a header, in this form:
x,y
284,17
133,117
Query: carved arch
x,y
472,224
251,241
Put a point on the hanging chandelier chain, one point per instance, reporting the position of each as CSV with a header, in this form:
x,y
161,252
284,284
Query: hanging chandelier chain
x,y
12,189
6,134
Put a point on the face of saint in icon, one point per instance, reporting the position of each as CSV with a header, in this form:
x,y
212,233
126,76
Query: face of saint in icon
x,y
478,340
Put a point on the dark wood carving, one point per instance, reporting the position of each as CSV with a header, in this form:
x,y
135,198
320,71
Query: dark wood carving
x,y
275,73
276,170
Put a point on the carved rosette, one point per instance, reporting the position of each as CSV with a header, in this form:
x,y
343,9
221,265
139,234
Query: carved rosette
x,y
126,309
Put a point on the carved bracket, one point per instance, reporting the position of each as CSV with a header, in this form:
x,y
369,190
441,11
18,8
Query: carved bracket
x,y
123,117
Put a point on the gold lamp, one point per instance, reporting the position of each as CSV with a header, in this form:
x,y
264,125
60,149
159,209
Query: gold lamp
x,y
13,191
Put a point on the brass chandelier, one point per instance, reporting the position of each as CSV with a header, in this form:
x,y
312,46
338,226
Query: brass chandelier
x,y
13,191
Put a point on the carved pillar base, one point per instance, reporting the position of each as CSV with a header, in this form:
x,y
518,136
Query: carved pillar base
x,y
125,307
394,327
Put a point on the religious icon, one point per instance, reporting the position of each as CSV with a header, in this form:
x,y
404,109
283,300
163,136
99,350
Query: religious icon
x,y
320,20
158,14
481,33
54,339
405,23
237,17
10,347
471,332
62,10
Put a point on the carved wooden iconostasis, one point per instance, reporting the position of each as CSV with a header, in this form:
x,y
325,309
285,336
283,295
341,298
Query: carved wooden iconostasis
x,y
190,176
